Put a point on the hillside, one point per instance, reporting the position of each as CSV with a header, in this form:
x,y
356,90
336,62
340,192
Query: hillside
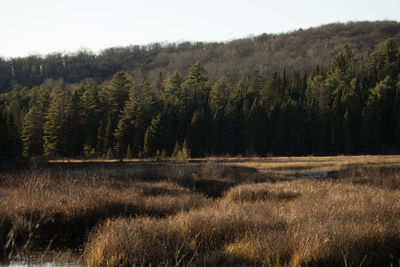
x,y
236,59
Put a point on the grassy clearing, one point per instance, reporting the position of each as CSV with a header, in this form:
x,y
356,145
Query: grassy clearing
x,y
208,212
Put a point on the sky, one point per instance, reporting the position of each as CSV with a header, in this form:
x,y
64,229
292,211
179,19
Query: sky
x,y
46,26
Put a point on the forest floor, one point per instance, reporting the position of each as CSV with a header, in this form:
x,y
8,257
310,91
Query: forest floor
x,y
342,210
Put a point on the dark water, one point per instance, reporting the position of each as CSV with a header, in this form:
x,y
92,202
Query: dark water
x,y
41,264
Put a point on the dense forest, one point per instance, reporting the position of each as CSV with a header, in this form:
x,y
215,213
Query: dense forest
x,y
351,106
300,50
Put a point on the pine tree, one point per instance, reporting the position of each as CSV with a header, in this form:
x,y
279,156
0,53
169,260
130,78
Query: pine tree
x,y
371,124
253,90
4,136
348,143
55,126
108,140
91,114
75,126
119,89
135,118
159,85
113,95
219,94
174,86
197,133
230,128
257,129
215,133
100,138
32,132
14,145
196,88
152,137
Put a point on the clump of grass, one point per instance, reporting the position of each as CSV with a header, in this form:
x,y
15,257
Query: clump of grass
x,y
327,223
189,237
261,192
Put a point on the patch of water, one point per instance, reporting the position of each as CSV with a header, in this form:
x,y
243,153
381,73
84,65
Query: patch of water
x,y
40,264
313,174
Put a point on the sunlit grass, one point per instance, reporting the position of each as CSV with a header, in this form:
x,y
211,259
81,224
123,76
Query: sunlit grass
x,y
211,211
320,223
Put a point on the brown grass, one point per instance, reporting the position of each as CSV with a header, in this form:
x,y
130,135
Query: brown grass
x,y
217,211
321,223
41,208
333,163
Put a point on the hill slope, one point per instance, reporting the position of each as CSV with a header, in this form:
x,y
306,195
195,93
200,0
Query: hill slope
x,y
236,59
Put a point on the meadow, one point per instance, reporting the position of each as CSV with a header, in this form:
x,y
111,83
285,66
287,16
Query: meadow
x,y
281,211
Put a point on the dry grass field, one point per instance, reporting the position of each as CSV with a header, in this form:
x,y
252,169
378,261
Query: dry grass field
x,y
214,211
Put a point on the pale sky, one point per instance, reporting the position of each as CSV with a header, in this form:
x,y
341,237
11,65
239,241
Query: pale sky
x,y
46,26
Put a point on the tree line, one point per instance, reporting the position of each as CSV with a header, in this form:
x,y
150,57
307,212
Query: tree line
x,y
350,107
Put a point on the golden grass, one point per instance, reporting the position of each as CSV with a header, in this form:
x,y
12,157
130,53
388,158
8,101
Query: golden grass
x,y
215,211
40,208
316,163
323,223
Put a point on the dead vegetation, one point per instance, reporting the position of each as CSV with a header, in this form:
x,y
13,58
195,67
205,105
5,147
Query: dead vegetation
x,y
206,212
321,223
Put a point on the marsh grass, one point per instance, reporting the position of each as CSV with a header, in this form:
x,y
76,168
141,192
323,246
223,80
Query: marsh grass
x,y
322,223
59,208
383,175
218,211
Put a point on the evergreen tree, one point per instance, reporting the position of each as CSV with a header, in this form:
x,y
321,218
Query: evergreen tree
x,y
220,94
152,137
159,85
196,88
108,140
230,129
32,132
119,90
197,133
90,113
253,90
174,86
4,136
135,118
55,126
215,133
348,142
75,126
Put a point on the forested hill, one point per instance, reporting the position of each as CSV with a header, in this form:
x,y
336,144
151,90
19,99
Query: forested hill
x,y
300,50
352,106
